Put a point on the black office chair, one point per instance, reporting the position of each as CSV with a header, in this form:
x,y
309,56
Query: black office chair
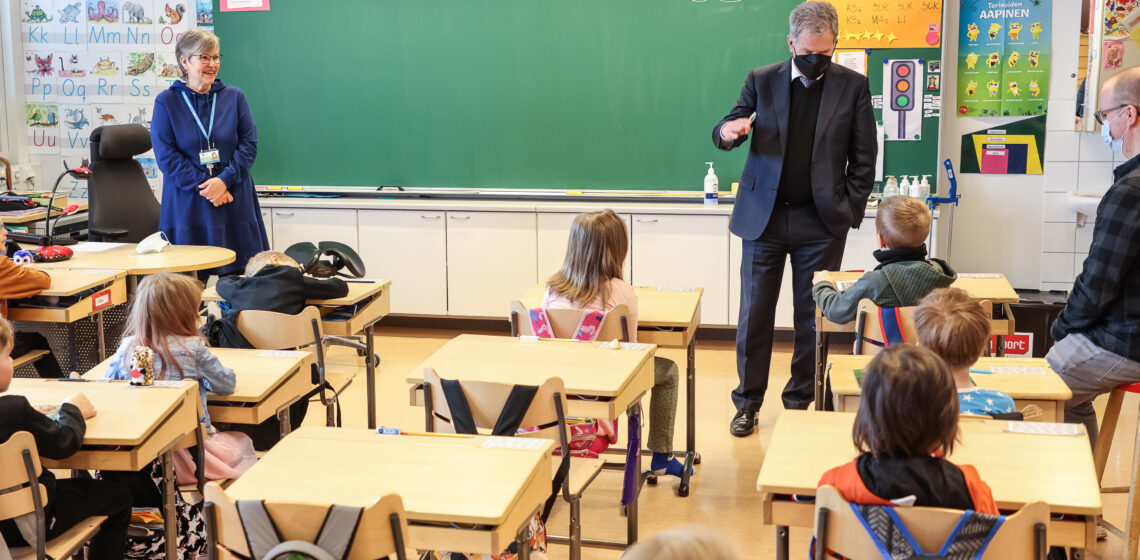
x,y
121,206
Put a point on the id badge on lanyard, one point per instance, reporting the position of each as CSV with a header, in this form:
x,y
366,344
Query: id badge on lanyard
x,y
209,156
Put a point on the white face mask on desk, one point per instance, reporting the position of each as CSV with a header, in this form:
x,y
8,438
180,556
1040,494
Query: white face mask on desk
x,y
153,243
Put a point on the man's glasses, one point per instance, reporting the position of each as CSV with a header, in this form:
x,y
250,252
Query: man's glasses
x,y
1100,115
217,59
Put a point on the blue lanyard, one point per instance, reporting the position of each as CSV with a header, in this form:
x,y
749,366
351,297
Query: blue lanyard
x,y
213,104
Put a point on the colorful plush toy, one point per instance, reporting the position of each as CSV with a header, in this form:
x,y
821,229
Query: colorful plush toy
x,y
23,257
142,366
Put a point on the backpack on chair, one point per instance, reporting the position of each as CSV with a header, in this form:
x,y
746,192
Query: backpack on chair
x,y
332,543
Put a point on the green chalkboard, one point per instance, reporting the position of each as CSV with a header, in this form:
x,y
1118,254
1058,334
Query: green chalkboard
x,y
590,94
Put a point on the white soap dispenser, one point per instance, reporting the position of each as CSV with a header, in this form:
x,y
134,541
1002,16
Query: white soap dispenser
x,y
892,187
712,186
904,188
922,190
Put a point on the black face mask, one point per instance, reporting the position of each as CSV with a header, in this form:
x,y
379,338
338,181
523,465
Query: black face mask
x,y
812,65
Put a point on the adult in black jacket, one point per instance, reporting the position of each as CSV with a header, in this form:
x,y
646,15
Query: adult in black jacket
x,y
811,162
69,500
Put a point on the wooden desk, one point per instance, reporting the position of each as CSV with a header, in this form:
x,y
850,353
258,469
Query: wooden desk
x,y
441,480
1046,393
133,426
373,301
997,290
173,258
616,378
266,385
60,202
667,318
1019,468
66,283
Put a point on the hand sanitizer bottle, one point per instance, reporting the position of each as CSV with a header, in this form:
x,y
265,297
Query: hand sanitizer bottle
x,y
921,190
712,186
904,188
892,187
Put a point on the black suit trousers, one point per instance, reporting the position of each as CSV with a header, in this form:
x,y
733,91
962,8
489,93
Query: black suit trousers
x,y
799,233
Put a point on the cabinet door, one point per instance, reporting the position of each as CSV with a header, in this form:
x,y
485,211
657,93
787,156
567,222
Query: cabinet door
x,y
684,251
408,247
553,233
296,225
491,260
267,220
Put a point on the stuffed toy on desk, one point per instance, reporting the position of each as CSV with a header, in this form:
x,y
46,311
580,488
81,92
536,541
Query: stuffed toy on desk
x,y
23,257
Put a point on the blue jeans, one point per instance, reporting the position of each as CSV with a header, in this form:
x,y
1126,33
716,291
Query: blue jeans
x,y
1089,371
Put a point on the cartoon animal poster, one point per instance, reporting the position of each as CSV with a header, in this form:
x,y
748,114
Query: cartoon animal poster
x,y
87,63
1004,49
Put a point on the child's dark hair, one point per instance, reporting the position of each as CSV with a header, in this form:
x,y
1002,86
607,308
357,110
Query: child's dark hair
x,y
909,405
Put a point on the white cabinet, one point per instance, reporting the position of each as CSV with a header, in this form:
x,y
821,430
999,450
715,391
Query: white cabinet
x,y
408,247
553,234
491,260
295,225
267,221
684,251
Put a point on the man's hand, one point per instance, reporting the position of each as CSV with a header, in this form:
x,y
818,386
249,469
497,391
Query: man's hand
x,y
215,191
735,129
83,404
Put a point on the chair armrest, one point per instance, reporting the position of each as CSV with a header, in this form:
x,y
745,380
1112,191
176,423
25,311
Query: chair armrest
x,y
107,233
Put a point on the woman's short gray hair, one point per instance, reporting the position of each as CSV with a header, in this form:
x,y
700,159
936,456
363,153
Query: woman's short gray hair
x,y
194,41
814,17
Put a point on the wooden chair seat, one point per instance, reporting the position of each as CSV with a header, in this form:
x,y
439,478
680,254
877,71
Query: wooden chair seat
x,y
66,544
29,358
583,471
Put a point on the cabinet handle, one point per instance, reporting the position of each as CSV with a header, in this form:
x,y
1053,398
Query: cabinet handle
x,y
429,217
460,218
647,220
284,214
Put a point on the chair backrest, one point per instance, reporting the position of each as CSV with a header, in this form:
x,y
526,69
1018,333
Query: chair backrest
x,y
16,483
869,330
486,400
118,194
280,331
564,321
838,529
303,522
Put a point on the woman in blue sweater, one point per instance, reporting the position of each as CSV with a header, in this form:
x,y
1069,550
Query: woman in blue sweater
x,y
205,142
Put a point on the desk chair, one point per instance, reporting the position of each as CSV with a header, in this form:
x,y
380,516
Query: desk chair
x,y
279,331
487,401
1021,535
28,358
293,521
121,206
1131,532
882,326
22,494
564,321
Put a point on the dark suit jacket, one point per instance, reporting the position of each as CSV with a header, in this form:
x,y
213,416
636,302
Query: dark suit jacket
x,y
843,155
281,289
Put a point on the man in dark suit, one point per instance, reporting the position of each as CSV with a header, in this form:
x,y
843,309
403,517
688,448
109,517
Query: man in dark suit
x,y
811,163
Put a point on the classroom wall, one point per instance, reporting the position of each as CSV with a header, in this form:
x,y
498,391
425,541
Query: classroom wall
x,y
1017,224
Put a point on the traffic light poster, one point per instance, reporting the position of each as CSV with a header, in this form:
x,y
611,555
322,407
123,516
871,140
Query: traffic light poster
x,y
1003,57
902,98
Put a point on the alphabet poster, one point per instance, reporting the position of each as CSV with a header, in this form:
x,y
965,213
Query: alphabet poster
x,y
1003,57
89,63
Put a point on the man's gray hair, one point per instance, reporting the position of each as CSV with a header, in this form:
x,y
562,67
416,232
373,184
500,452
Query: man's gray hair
x,y
194,41
1125,86
815,18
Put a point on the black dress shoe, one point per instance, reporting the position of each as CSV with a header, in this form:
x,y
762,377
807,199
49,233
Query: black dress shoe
x,y
744,423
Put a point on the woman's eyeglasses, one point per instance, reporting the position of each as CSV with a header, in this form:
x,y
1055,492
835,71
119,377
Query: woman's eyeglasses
x,y
217,59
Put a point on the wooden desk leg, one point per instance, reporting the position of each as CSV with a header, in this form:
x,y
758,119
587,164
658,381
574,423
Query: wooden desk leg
x,y
169,512
370,374
781,542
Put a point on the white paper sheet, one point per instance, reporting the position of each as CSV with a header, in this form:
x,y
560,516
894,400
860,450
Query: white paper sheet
x,y
1019,370
280,353
1044,428
94,247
